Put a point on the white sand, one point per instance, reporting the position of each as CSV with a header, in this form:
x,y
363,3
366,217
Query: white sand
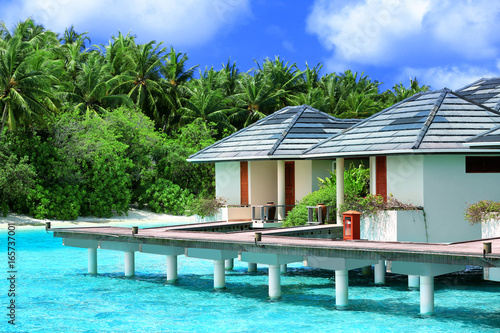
x,y
135,216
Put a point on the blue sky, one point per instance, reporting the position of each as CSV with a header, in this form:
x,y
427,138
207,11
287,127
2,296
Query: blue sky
x,y
442,43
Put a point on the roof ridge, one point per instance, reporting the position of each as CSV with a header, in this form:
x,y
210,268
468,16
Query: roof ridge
x,y
471,84
285,131
484,133
475,103
430,118
237,132
411,98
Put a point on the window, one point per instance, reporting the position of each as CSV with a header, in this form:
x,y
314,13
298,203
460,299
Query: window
x,y
482,164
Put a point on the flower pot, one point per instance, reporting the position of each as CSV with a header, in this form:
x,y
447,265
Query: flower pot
x,y
271,211
322,206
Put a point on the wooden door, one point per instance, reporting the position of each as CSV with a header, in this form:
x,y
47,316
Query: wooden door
x,y
381,174
289,185
244,183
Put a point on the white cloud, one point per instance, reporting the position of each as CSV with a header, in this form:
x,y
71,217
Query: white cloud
x,y
453,77
406,32
185,23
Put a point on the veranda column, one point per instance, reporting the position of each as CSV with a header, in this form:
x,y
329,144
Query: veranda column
x,y
281,189
219,274
380,272
340,187
341,288
171,268
373,175
274,281
92,260
129,263
413,281
426,295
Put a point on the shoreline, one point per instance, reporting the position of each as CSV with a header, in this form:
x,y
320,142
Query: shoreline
x,y
135,216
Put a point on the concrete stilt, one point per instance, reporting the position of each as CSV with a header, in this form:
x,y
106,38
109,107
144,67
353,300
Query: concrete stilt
x,y
171,268
252,267
283,268
341,288
219,274
426,295
367,270
380,272
92,260
229,264
274,281
413,281
129,263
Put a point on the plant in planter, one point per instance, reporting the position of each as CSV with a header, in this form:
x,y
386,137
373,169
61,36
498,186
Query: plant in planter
x,y
482,211
371,205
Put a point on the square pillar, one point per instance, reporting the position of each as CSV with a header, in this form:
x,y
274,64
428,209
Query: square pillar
x,y
340,187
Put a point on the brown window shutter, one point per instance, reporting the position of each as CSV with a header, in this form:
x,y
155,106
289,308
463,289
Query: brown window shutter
x,y
244,182
381,168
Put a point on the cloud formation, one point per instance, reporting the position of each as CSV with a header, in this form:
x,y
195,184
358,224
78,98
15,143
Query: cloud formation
x,y
184,23
427,36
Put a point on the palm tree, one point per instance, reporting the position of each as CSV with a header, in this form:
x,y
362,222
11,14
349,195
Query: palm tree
x,y
26,95
400,92
72,37
256,99
143,83
91,95
206,105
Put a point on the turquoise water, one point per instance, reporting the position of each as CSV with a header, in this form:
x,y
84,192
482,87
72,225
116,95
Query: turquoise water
x,y
54,294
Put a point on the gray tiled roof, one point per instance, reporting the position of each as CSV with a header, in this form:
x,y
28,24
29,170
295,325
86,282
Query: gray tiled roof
x,y
285,133
430,122
491,136
485,91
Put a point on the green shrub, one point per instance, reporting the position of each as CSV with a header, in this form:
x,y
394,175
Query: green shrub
x,y
482,211
166,197
206,206
298,215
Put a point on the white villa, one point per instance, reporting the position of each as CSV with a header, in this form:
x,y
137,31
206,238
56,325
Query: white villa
x,y
439,150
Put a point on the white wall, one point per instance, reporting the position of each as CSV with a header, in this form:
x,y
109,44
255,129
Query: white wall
x,y
405,178
263,182
448,190
227,181
303,179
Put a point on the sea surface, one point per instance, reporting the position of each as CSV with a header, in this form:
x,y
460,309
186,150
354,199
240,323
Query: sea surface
x,y
54,293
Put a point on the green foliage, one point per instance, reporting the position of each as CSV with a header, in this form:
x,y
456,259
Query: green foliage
x,y
206,206
482,211
166,197
372,204
171,162
356,183
89,131
17,179
298,215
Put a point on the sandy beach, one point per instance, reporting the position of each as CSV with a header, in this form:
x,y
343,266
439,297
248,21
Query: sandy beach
x,y
135,216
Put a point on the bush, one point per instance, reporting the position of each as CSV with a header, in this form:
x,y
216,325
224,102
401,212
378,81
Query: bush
x,y
166,197
298,215
207,206
482,211
356,183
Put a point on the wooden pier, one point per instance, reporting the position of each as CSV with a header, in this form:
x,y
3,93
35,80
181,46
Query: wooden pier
x,y
317,246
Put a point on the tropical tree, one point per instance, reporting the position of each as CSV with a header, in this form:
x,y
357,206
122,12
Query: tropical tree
x,y
91,94
400,92
256,99
26,95
207,106
143,83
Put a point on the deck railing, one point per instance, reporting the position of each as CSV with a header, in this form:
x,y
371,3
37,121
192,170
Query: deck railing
x,y
319,214
269,212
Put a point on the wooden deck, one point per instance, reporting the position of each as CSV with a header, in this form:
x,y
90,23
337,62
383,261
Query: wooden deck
x,y
236,236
